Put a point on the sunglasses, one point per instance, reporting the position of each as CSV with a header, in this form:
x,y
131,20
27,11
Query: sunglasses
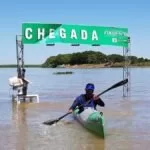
x,y
89,91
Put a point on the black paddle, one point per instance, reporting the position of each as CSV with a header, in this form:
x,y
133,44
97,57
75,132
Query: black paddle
x,y
50,122
114,86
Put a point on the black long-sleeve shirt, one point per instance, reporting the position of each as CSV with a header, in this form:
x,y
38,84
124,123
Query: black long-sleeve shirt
x,y
82,101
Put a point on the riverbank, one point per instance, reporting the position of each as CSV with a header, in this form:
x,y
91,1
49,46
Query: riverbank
x,y
86,66
106,65
15,66
116,65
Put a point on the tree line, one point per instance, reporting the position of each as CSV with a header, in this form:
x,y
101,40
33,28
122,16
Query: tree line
x,y
90,57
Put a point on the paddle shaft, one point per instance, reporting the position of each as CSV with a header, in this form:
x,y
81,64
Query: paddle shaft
x,y
114,86
64,115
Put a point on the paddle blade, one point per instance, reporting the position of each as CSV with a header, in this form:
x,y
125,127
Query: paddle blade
x,y
119,83
50,122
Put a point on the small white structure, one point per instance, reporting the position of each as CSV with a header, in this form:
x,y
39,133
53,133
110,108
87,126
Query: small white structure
x,y
17,86
15,82
29,97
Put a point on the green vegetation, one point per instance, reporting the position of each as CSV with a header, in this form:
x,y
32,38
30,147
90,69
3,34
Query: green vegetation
x,y
89,58
92,57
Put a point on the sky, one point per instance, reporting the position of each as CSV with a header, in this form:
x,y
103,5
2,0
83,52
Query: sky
x,y
134,15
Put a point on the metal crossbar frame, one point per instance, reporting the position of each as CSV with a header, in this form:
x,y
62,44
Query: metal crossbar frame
x,y
126,54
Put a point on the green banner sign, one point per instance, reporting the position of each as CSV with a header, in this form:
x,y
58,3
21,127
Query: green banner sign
x,y
35,33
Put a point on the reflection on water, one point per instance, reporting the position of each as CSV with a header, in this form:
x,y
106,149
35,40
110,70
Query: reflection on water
x,y
19,117
30,133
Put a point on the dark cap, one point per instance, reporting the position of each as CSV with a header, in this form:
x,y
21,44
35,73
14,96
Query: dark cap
x,y
90,86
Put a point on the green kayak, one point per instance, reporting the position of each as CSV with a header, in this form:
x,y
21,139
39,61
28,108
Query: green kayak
x,y
91,119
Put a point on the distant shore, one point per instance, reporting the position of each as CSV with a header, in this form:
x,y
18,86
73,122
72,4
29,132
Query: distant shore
x,y
15,66
86,66
115,65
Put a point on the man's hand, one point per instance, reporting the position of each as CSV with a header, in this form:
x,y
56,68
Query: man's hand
x,y
95,97
70,111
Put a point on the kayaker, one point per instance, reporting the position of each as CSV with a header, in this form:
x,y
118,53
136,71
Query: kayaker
x,y
89,99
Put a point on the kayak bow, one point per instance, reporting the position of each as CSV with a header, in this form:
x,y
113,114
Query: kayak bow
x,y
91,119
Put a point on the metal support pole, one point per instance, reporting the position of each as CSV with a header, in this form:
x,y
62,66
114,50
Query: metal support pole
x,y
126,69
20,63
20,56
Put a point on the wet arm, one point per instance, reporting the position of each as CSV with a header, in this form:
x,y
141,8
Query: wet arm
x,y
100,102
74,105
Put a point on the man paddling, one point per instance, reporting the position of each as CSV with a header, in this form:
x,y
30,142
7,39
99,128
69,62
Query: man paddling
x,y
87,100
